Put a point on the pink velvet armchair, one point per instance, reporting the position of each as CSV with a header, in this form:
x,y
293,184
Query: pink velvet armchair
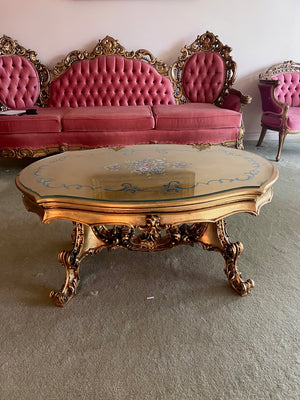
x,y
280,95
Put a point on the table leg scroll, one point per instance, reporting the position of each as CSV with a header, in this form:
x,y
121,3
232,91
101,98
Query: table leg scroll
x,y
231,252
70,261
68,290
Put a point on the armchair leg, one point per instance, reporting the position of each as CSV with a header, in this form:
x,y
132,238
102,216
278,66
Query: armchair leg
x,y
262,135
282,136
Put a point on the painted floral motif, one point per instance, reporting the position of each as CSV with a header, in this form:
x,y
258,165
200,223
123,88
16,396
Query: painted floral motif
x,y
148,166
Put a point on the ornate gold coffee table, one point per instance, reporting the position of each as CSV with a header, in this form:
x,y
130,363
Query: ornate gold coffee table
x,y
145,198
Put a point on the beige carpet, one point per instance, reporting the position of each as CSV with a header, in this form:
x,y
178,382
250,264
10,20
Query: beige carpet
x,y
195,339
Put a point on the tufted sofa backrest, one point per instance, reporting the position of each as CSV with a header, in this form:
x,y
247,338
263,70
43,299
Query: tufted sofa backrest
x,y
289,89
203,77
110,81
19,82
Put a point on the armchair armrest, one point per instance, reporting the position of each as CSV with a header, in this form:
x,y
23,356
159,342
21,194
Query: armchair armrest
x,y
235,99
269,100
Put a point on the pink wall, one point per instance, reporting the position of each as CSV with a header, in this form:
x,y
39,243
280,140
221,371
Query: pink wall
x,y
256,30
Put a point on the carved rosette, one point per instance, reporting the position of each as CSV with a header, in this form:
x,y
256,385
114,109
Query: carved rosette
x,y
206,42
9,47
109,46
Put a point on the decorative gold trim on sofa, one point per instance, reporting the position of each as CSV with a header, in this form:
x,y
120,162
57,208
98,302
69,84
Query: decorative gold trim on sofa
x,y
10,47
46,151
205,43
109,46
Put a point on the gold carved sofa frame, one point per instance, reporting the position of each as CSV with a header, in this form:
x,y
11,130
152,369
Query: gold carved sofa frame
x,y
208,42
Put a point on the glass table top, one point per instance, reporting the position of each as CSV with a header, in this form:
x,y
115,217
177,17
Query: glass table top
x,y
146,173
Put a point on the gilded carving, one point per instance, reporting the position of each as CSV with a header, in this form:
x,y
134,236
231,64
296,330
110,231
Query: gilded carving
x,y
286,66
231,252
109,46
70,261
153,236
206,42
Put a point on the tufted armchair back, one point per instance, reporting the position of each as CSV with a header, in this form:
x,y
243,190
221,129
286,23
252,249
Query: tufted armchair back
x,y
204,73
110,80
203,77
288,90
279,88
19,82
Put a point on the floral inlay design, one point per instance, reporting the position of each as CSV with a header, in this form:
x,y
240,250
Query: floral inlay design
x,y
147,166
160,164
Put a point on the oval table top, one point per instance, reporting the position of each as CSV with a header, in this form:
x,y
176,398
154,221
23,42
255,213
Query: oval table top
x,y
94,186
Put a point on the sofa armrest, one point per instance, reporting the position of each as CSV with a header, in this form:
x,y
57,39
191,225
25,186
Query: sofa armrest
x,y
235,99
269,100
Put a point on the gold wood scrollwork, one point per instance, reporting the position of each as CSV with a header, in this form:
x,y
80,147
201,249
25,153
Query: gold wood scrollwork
x,y
231,252
9,47
206,42
149,237
70,261
286,66
152,236
109,46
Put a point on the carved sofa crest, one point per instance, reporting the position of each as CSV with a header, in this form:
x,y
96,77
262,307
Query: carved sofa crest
x,y
113,97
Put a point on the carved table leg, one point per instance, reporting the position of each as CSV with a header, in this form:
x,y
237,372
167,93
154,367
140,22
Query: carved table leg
x,y
70,260
90,240
217,239
84,243
68,290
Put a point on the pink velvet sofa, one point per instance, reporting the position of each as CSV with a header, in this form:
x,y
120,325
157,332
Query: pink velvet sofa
x,y
280,96
112,97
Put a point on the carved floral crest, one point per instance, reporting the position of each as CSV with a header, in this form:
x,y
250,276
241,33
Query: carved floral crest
x,y
109,46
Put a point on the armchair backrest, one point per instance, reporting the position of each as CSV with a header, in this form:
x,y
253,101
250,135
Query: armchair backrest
x,y
23,79
288,90
287,75
203,77
204,72
19,82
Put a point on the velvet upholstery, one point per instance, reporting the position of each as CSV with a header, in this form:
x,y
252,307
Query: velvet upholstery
x,y
19,82
112,97
280,99
193,116
47,120
288,90
110,81
203,77
108,118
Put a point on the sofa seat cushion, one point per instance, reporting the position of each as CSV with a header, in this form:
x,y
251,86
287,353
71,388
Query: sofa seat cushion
x,y
108,118
275,120
195,116
46,120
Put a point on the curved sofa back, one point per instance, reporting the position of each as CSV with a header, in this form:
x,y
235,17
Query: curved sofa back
x,y
20,85
203,77
288,90
110,81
